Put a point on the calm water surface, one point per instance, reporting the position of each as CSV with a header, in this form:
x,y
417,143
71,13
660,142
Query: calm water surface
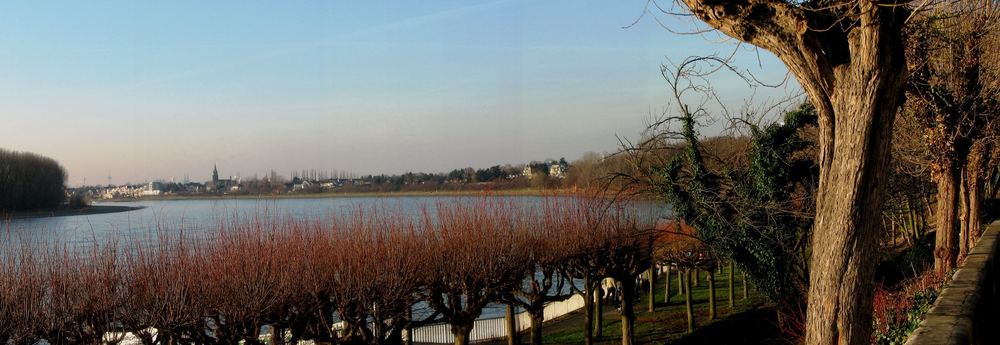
x,y
201,217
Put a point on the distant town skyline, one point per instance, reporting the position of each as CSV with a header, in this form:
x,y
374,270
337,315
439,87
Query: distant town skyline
x,y
143,91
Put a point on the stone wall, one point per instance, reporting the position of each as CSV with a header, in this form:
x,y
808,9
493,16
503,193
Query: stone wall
x,y
966,310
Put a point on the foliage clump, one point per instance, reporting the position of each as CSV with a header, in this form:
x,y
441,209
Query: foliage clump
x,y
760,213
29,181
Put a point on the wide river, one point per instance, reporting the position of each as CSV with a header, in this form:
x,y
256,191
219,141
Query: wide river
x,y
198,218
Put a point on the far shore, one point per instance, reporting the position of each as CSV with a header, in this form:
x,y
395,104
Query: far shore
x,y
508,192
89,210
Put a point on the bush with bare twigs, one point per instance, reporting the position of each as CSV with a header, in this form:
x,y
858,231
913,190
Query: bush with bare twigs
x,y
354,278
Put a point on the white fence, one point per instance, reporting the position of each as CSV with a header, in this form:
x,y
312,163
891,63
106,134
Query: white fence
x,y
483,330
491,329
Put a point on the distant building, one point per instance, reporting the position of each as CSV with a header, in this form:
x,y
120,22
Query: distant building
x,y
305,184
526,172
556,170
218,185
152,189
215,177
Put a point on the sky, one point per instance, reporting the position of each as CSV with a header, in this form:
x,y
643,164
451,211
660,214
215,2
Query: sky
x,y
141,91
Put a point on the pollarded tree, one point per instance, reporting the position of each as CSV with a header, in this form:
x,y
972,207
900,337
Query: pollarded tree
x,y
610,239
246,265
547,241
626,253
848,56
952,94
164,290
579,218
380,271
479,255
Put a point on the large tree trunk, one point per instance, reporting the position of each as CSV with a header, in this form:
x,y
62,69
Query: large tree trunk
x,y
963,215
278,335
599,314
462,332
591,297
946,236
409,326
853,162
628,311
510,325
972,196
975,202
537,318
854,75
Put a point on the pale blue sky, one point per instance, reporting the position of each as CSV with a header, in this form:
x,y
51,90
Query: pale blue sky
x,y
144,90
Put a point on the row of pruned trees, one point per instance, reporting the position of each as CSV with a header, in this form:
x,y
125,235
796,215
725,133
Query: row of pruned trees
x,y
358,278
952,96
29,181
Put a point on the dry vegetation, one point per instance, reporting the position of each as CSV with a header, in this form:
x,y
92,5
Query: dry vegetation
x,y
370,268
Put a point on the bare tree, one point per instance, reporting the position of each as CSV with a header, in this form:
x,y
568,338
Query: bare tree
x,y
547,243
479,257
381,270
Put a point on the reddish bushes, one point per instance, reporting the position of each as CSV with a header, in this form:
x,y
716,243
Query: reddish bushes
x,y
898,312
352,279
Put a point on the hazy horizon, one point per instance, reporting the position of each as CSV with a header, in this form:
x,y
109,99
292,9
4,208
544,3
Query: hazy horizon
x,y
144,91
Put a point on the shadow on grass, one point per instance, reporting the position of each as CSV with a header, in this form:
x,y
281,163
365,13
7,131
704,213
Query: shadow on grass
x,y
754,326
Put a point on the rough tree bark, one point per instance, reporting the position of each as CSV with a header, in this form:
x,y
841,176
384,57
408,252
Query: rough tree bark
x,y
462,333
972,222
510,325
947,235
963,214
628,310
848,56
537,318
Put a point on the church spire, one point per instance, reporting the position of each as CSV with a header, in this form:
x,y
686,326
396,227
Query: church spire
x,y
215,174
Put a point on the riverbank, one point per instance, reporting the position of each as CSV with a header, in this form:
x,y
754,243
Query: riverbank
x,y
89,210
508,192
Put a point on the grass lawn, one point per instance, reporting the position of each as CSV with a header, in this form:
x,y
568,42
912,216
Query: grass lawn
x,y
750,321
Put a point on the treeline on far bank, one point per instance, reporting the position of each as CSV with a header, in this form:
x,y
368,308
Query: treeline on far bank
x,y
30,182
